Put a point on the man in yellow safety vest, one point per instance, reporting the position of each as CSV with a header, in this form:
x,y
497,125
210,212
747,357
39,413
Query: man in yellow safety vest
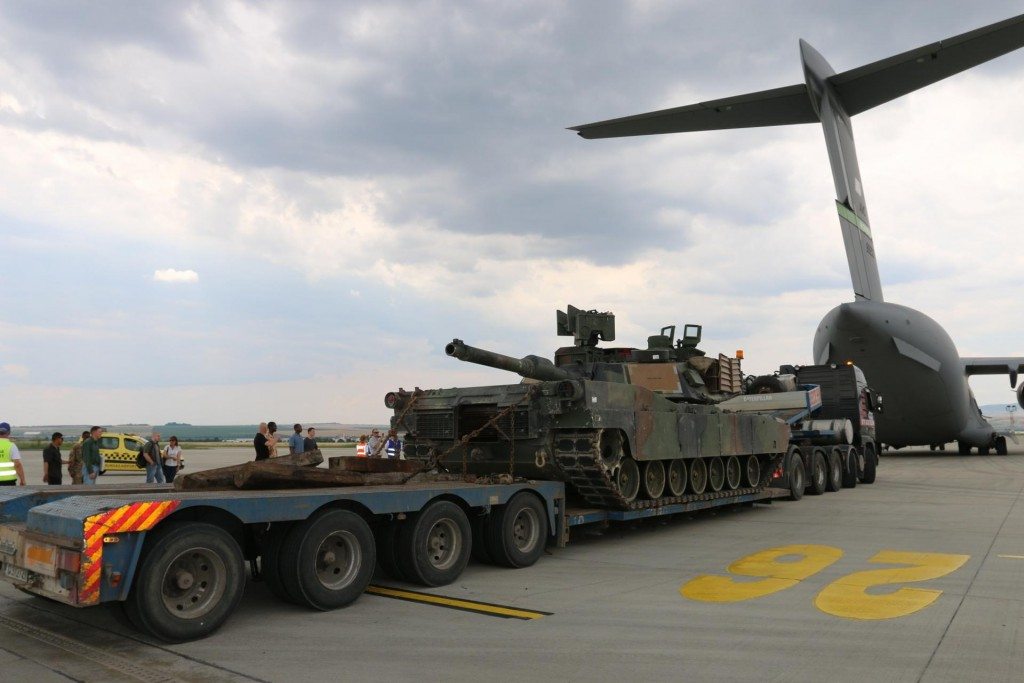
x,y
11,471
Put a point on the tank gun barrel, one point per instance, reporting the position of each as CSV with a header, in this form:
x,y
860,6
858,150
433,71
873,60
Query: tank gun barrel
x,y
531,367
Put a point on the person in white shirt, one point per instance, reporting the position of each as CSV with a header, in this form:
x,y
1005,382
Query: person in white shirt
x,y
172,459
11,471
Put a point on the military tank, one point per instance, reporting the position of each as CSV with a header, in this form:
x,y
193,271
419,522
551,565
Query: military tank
x,y
624,427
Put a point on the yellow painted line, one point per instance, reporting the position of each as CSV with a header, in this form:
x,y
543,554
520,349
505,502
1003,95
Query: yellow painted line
x,y
456,603
1013,557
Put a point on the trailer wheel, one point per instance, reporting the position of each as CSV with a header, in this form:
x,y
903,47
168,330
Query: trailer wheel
x,y
332,558
387,550
753,471
518,531
850,468
189,581
796,475
271,559
870,465
479,550
716,474
654,479
434,545
733,473
835,470
676,478
819,473
698,476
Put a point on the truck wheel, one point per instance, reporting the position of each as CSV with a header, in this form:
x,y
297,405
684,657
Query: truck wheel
x,y
698,476
1001,445
676,477
628,479
479,550
753,471
190,579
733,473
716,474
434,546
387,550
819,473
654,479
518,531
766,384
796,476
870,465
271,559
850,468
835,470
332,556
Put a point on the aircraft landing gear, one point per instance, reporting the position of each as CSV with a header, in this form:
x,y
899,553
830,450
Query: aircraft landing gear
x,y
1001,445
963,448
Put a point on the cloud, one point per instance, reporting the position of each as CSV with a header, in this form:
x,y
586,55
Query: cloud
x,y
172,275
14,370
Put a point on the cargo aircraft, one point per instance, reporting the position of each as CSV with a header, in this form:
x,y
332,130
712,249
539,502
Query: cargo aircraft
x,y
908,357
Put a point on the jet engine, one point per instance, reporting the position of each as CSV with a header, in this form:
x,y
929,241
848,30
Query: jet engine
x,y
1020,394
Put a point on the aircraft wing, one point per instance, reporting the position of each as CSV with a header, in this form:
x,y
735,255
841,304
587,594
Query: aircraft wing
x,y
776,107
873,84
996,365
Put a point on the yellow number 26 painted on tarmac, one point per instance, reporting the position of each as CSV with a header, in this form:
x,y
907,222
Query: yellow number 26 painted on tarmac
x,y
848,596
775,574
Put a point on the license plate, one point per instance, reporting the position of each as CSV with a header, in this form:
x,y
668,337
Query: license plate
x,y
16,573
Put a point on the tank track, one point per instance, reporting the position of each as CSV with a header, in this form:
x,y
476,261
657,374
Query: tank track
x,y
593,482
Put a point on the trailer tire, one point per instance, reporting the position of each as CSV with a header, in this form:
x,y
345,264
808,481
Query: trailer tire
x,y
850,467
819,473
870,465
835,470
518,531
271,561
333,557
796,476
201,592
434,544
387,550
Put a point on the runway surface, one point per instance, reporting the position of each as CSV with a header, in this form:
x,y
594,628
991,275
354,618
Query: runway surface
x,y
919,576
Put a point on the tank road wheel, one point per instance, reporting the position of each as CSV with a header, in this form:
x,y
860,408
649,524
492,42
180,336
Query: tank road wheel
x,y
698,476
1001,445
870,464
676,478
716,474
434,546
271,561
518,531
753,471
850,468
190,579
654,479
819,473
835,470
332,558
796,475
609,447
387,550
627,479
733,473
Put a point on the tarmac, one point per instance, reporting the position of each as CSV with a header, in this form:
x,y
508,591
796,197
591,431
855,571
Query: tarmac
x,y
917,577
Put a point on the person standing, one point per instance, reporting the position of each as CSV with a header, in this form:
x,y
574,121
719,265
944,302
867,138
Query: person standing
x,y
52,461
92,461
373,445
259,442
272,438
75,460
172,459
12,472
295,441
361,447
151,454
393,447
309,443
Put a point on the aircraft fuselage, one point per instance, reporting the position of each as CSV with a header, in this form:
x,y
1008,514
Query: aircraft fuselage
x,y
911,361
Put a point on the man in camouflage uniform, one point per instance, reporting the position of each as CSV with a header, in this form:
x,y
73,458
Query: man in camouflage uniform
x,y
75,460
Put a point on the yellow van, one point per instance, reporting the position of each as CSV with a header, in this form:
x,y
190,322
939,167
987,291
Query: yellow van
x,y
120,450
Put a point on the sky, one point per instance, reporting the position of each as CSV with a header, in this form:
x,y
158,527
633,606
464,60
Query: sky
x,y
226,212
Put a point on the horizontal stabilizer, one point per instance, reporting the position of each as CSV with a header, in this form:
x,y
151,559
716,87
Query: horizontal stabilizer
x,y
777,107
873,84
1005,365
